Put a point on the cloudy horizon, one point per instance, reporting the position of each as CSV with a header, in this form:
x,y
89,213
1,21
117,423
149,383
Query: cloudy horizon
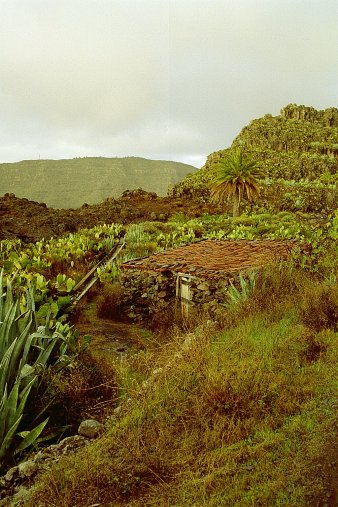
x,y
160,79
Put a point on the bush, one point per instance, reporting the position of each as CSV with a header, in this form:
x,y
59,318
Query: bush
x,y
215,424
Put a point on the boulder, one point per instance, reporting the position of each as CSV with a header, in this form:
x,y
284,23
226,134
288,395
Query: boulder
x,y
90,428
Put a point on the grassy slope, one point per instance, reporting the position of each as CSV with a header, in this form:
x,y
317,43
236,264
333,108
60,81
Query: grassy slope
x,y
71,183
236,417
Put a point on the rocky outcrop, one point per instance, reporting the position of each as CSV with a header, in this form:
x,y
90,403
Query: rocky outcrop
x,y
299,144
32,221
327,117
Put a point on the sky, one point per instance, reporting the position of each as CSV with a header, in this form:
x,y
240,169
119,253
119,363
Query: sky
x,y
160,79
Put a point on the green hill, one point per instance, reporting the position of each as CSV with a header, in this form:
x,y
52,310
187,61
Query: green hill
x,y
299,144
298,152
71,183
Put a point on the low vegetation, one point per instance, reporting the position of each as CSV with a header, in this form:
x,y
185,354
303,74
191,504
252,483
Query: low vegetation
x,y
237,414
27,351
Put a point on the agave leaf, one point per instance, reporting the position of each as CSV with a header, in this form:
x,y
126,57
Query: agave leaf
x,y
18,356
7,329
3,404
2,294
9,296
29,437
30,299
54,434
4,366
45,353
26,370
6,442
23,395
10,414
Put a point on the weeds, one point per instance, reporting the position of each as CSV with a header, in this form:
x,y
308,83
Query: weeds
x,y
235,417
109,301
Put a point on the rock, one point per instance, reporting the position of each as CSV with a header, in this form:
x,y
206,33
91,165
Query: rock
x,y
118,410
90,428
21,496
11,474
203,286
27,469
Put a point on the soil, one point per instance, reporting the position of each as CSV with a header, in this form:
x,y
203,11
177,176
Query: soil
x,y
33,221
111,340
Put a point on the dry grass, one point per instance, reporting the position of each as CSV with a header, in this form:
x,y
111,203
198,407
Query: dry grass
x,y
71,395
235,417
109,301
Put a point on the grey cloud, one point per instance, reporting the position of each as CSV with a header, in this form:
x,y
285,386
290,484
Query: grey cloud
x,y
164,78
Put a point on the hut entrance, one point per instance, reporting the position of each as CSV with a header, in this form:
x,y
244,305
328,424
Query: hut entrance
x,y
184,294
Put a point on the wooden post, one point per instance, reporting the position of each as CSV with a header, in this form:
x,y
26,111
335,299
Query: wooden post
x,y
183,293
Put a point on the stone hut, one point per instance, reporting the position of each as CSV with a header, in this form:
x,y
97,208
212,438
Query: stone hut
x,y
194,275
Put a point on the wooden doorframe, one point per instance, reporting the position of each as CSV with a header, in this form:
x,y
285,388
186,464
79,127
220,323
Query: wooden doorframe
x,y
184,294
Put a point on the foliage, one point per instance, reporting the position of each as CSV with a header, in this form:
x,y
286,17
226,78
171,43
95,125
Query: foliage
x,y
37,265
25,350
247,285
292,148
236,178
219,416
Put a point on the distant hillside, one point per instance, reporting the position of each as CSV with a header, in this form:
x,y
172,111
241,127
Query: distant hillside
x,y
71,183
299,144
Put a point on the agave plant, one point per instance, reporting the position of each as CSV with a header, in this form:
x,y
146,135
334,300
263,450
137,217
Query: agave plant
x,y
247,285
25,349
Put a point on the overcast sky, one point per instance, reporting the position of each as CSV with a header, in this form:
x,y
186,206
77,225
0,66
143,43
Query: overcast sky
x,y
163,79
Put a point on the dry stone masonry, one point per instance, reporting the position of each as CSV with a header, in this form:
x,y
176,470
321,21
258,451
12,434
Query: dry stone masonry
x,y
194,275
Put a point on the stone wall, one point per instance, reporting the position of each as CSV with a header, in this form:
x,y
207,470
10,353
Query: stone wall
x,y
146,293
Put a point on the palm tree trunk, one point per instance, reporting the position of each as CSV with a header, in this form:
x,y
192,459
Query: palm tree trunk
x,y
236,204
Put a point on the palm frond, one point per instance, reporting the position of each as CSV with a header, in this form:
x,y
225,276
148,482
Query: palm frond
x,y
235,174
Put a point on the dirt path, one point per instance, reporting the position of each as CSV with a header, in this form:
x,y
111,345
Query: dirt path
x,y
110,340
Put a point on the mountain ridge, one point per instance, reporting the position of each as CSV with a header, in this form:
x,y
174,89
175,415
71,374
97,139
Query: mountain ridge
x,y
69,183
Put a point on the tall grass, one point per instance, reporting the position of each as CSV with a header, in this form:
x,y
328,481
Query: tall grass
x,y
234,417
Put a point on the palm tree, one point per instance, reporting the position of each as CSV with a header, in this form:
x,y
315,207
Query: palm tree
x,y
237,178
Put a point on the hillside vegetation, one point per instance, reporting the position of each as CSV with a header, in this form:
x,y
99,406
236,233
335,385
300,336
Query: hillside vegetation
x,y
235,412
71,183
298,153
241,413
